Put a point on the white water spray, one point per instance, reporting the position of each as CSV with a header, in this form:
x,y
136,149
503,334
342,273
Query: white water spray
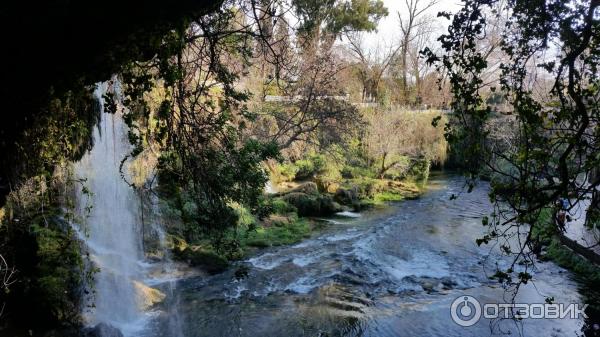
x,y
112,230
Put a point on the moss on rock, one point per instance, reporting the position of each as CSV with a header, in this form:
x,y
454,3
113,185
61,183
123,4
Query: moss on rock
x,y
207,260
312,205
287,233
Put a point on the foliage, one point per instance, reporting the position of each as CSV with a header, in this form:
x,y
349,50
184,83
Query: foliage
x,y
544,234
555,136
352,171
61,133
387,196
395,136
316,116
286,172
44,252
280,206
285,234
583,268
339,16
311,205
307,168
325,165
206,165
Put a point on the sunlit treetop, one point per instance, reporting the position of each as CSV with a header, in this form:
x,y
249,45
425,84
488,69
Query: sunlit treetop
x,y
335,17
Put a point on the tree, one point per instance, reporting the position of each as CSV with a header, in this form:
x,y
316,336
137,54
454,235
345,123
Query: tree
x,y
555,148
314,109
414,27
198,122
416,63
310,106
371,64
395,136
328,19
381,143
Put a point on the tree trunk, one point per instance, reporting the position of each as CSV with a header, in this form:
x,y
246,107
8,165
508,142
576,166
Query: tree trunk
x,y
417,82
404,82
592,217
383,169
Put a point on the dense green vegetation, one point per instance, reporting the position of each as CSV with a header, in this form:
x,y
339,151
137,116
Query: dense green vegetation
x,y
38,238
215,143
542,143
546,234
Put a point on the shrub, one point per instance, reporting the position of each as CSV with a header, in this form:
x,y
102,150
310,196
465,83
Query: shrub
x,y
306,169
286,172
279,235
306,204
280,206
351,172
309,205
210,261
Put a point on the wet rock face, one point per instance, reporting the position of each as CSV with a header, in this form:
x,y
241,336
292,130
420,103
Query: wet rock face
x,y
102,330
308,188
208,261
312,205
346,196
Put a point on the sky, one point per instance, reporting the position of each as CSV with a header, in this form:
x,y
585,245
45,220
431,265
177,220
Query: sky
x,y
388,30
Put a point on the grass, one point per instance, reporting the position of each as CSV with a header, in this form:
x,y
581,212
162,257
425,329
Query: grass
x,y
384,192
277,230
565,258
281,234
545,230
387,196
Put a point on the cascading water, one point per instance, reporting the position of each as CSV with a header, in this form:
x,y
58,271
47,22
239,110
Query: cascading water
x,y
112,229
376,277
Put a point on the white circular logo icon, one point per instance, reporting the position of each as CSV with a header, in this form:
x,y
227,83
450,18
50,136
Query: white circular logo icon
x,y
465,310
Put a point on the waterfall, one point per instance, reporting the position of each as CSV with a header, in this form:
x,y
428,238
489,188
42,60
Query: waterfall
x,y
112,229
269,188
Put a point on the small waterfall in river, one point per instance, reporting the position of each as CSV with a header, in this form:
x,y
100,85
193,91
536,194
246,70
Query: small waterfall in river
x,y
112,230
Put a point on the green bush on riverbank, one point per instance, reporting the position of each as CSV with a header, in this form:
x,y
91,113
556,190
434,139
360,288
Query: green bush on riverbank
x,y
283,227
284,219
546,234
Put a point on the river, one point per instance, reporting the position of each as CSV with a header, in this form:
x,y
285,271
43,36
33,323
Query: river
x,y
391,272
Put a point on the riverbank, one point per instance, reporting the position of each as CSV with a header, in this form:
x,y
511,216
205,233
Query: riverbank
x,y
377,274
551,248
294,213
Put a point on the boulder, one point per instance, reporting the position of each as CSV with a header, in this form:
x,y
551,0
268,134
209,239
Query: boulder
x,y
102,330
206,260
312,205
328,206
306,204
346,195
327,186
307,188
147,296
